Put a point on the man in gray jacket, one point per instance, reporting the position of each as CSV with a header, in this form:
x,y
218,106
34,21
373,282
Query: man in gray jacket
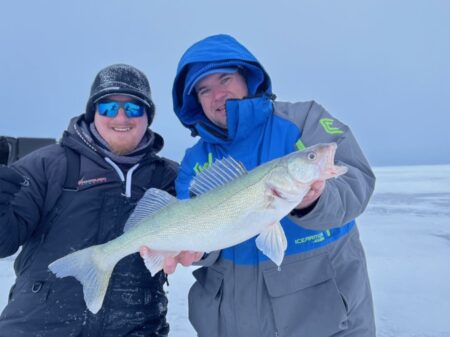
x,y
78,193
223,94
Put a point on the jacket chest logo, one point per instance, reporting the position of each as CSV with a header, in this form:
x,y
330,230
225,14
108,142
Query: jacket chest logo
x,y
200,167
93,181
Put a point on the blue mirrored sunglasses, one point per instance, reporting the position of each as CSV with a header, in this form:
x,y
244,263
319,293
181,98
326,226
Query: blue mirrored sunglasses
x,y
111,109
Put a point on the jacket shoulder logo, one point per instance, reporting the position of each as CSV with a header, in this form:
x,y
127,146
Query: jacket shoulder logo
x,y
327,126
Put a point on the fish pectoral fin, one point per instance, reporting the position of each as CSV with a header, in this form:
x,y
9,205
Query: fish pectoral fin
x,y
272,242
154,260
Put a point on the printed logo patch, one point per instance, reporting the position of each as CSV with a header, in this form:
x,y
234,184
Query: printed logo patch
x,y
313,238
327,126
299,145
93,181
200,167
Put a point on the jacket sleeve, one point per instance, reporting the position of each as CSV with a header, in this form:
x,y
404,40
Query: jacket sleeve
x,y
185,175
26,210
346,197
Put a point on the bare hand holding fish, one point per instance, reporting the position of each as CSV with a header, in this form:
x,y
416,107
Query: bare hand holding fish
x,y
185,258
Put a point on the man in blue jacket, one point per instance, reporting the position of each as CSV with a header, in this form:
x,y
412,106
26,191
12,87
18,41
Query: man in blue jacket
x,y
223,94
78,193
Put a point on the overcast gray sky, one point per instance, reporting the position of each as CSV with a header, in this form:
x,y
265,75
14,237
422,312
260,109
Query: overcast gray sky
x,y
381,66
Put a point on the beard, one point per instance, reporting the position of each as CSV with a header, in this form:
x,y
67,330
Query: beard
x,y
122,149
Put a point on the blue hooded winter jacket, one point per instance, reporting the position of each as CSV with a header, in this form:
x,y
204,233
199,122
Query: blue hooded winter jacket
x,y
254,135
322,287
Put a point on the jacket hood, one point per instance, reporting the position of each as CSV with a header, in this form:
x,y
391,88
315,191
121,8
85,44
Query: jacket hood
x,y
217,51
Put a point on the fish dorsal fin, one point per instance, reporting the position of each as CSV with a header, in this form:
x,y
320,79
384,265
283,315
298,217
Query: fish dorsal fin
x,y
220,173
153,201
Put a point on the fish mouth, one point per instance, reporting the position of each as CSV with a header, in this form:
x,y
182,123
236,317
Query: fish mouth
x,y
337,170
332,170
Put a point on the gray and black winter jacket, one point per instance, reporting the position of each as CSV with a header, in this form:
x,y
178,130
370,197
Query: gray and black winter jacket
x,y
49,220
322,287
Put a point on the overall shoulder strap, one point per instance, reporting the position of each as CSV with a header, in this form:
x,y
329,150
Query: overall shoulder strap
x,y
70,185
73,170
161,178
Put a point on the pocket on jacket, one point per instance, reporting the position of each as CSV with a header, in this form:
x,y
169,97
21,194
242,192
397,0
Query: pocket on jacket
x,y
34,308
205,298
305,298
22,297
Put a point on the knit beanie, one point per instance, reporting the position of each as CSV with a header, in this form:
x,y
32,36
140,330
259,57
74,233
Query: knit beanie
x,y
121,79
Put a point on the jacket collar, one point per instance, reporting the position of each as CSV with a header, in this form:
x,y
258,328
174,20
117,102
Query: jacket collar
x,y
78,137
244,117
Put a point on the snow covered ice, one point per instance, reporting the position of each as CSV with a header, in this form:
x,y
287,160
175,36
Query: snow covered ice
x,y
406,235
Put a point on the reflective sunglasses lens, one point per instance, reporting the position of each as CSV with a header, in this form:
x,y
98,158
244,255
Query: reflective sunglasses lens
x,y
134,109
108,109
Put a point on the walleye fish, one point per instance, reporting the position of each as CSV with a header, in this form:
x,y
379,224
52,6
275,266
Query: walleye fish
x,y
231,206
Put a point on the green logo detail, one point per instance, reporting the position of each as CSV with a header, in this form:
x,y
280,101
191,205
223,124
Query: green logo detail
x,y
326,124
199,167
313,238
299,145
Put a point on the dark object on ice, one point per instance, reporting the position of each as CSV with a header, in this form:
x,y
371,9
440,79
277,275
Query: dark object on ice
x,y
12,149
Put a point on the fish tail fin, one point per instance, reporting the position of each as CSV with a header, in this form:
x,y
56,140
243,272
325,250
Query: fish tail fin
x,y
85,267
272,242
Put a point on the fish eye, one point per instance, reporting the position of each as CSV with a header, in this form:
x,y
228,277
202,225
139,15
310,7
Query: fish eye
x,y
311,155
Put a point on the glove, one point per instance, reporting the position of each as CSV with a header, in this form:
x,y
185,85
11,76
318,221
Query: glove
x,y
10,184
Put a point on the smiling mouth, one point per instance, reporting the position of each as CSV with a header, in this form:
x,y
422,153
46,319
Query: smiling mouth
x,y
122,129
221,108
